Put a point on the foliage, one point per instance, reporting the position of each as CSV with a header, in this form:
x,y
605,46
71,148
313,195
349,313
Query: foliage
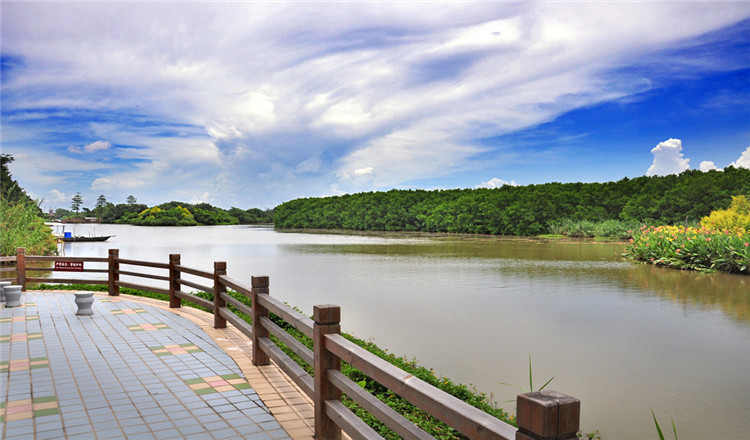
x,y
658,428
531,381
76,202
182,214
524,210
10,190
587,228
20,226
176,216
736,216
101,202
692,248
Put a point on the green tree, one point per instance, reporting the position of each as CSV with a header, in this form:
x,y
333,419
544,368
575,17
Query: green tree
x,y
76,203
101,202
10,190
131,200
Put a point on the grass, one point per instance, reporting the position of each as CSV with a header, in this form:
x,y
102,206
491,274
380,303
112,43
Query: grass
x,y
658,428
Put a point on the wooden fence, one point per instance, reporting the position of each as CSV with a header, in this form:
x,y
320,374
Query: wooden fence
x,y
540,415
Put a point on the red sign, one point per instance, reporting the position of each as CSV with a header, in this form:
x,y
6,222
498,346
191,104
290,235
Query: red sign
x,y
69,266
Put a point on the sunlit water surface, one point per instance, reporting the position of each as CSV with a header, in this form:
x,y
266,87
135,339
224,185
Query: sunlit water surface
x,y
624,338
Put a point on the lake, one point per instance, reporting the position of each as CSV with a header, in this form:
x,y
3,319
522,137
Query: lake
x,y
624,338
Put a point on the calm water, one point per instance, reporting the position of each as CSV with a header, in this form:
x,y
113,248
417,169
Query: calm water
x,y
624,338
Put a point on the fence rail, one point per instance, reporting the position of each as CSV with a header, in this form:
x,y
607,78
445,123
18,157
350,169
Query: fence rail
x,y
541,415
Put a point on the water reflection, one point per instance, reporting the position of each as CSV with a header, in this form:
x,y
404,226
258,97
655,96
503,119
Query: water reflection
x,y
583,262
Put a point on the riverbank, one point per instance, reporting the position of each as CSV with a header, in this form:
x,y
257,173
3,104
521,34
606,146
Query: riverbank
x,y
558,238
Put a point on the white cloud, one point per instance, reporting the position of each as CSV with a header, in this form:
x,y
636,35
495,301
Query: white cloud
x,y
668,159
203,198
90,148
743,161
367,171
496,183
707,165
310,165
55,197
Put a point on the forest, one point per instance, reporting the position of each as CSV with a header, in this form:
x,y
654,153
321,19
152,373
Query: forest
x,y
522,210
166,214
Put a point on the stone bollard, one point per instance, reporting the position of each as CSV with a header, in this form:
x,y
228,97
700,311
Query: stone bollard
x,y
3,285
84,301
12,296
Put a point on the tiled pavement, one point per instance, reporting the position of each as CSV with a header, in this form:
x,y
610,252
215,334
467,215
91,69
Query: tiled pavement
x,y
135,369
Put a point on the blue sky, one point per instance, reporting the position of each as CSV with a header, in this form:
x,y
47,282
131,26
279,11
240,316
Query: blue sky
x,y
252,104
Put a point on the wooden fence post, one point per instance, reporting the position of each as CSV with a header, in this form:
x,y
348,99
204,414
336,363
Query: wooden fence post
x,y
114,272
220,268
259,286
21,267
547,415
327,318
174,286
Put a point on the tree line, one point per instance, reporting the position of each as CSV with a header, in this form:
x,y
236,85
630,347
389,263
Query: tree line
x,y
166,214
522,210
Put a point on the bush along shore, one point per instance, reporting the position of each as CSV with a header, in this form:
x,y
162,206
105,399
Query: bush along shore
x,y
720,243
432,426
692,248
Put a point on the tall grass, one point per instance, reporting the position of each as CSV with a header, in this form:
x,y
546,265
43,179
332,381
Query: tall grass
x,y
587,229
20,226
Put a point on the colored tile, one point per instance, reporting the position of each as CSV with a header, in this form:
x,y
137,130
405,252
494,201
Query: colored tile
x,y
20,318
148,327
28,408
128,311
167,350
23,364
20,337
217,384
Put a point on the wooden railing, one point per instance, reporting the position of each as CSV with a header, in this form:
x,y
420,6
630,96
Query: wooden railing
x,y
540,415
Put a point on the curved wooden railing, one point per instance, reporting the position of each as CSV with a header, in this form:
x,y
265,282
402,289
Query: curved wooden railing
x,y
540,415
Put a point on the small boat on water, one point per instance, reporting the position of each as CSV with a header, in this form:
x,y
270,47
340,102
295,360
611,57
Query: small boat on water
x,y
80,238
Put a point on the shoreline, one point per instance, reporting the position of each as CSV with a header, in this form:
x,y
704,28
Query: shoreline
x,y
453,235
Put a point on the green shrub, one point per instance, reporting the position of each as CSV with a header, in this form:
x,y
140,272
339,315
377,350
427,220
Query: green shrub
x,y
20,226
736,216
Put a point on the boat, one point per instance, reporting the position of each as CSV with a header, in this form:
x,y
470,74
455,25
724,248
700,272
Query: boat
x,y
81,238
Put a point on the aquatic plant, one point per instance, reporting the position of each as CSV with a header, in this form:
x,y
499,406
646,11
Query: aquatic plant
x,y
726,250
658,428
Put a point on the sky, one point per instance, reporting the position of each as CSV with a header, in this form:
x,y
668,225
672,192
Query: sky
x,y
253,104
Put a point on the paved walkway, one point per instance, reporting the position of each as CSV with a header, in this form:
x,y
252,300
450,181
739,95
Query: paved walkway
x,y
136,369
